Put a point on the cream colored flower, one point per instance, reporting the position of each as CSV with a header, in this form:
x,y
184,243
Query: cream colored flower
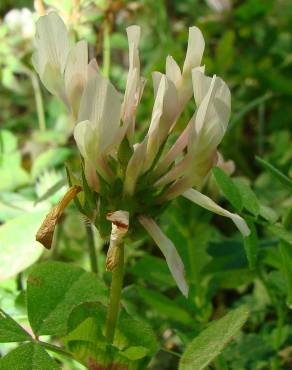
x,y
133,178
63,69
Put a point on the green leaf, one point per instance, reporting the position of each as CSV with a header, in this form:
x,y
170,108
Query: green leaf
x,y
225,51
228,188
12,174
30,356
19,249
153,270
132,333
51,191
134,340
209,344
8,142
13,205
165,306
268,214
280,232
251,244
286,254
249,199
10,331
49,159
275,172
54,289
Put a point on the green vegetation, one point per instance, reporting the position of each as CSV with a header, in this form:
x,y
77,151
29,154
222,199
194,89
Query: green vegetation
x,y
54,303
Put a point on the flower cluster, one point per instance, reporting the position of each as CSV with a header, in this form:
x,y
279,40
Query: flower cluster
x,y
138,178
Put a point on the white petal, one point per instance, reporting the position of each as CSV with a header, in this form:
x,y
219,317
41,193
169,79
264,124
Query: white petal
x,y
213,115
195,50
201,84
76,72
133,33
130,103
156,78
52,48
101,104
83,132
205,202
164,115
92,69
175,172
135,84
91,175
134,168
174,151
169,251
173,71
193,59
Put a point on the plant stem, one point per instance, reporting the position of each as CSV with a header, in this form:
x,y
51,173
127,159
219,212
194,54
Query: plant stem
x,y
91,248
53,348
171,352
115,294
106,48
38,101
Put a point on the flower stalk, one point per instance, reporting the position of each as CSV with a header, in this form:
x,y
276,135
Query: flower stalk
x,y
115,263
115,294
91,248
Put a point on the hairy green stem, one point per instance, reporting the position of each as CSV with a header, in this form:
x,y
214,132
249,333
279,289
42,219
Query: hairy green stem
x,y
115,294
91,248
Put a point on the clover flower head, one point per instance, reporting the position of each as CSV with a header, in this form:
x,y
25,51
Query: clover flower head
x,y
219,6
20,21
118,173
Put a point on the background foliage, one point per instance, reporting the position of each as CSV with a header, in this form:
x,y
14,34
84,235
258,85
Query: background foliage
x,y
248,44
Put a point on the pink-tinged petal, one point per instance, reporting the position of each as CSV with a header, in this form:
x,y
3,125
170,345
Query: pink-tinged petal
x,y
134,33
169,251
92,69
176,171
164,115
173,153
135,83
130,103
227,166
134,168
76,72
156,78
91,176
86,137
212,119
205,202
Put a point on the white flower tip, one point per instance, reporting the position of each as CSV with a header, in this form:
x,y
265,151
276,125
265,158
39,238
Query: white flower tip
x,y
241,225
196,38
184,288
133,33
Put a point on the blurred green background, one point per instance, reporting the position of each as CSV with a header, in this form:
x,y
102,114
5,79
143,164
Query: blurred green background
x,y
248,44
